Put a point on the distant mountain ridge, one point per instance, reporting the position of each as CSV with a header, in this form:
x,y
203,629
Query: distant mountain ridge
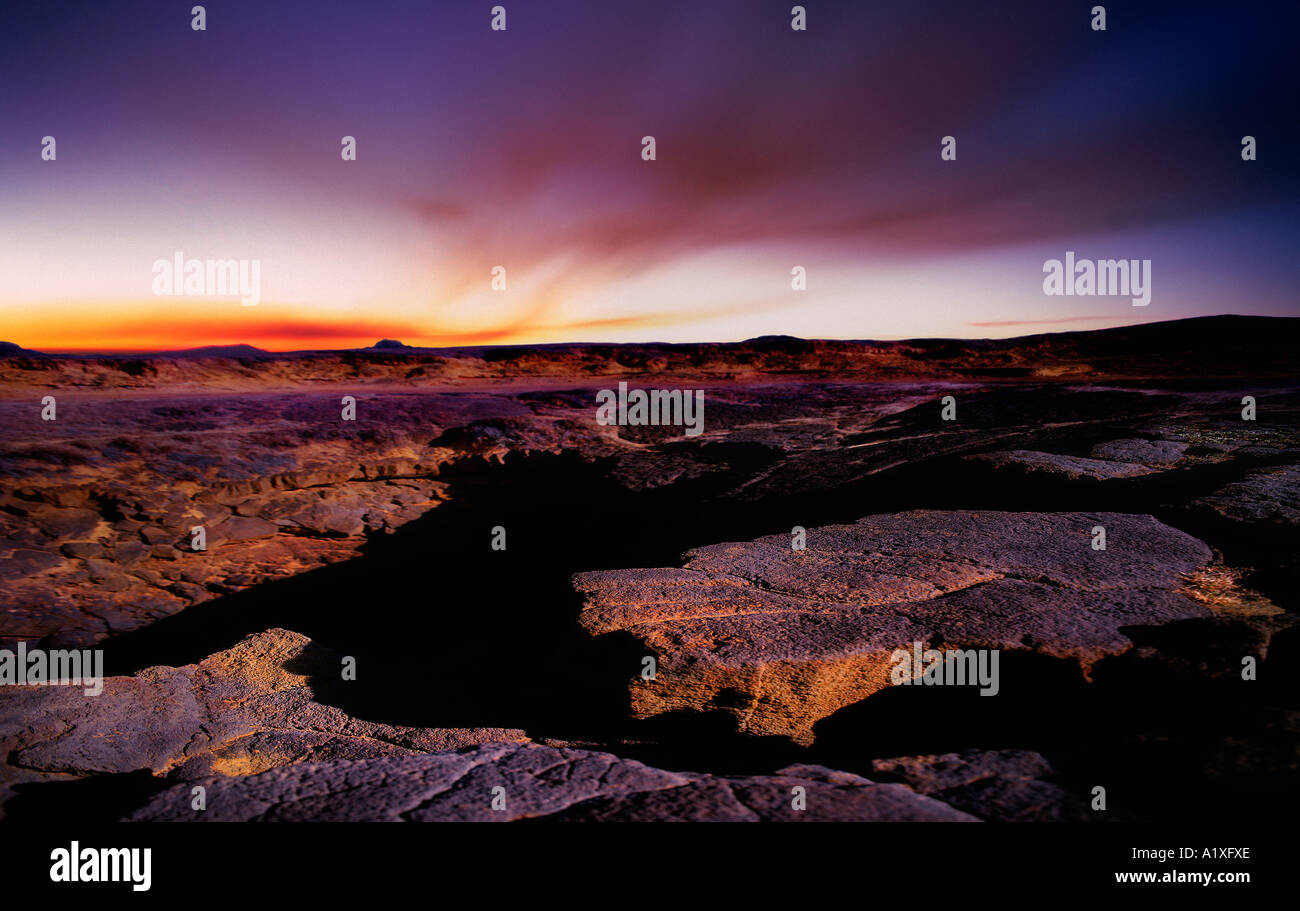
x,y
216,351
1226,327
1248,347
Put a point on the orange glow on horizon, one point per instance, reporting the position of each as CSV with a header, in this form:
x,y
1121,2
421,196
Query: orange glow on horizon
x,y
150,326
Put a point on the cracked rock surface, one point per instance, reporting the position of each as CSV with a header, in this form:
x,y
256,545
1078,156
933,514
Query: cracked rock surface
x,y
237,712
782,638
541,783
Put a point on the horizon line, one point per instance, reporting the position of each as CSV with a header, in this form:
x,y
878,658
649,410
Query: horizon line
x,y
161,352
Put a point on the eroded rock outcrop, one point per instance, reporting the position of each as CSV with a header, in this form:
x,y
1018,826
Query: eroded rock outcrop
x,y
241,711
81,574
781,638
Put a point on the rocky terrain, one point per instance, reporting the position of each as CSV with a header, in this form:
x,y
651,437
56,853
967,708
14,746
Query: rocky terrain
x,y
782,638
544,784
498,567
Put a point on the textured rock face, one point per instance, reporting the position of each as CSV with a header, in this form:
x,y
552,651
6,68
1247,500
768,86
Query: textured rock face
x,y
237,712
995,785
1124,458
1073,467
1267,497
541,783
97,507
1160,453
83,574
782,638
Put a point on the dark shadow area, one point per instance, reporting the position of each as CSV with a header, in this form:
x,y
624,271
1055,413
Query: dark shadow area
x,y
448,632
1038,702
94,799
1179,736
706,741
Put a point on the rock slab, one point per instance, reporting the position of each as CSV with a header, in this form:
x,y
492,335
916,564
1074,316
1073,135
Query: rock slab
x,y
781,638
516,782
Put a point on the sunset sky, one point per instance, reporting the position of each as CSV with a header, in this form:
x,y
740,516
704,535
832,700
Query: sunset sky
x,y
522,148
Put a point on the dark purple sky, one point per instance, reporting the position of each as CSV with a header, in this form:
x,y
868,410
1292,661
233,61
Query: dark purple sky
x,y
522,148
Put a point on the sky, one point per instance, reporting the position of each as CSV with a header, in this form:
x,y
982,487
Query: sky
x,y
522,148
